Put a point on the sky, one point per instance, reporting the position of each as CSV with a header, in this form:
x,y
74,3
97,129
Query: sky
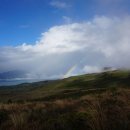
x,y
24,20
58,38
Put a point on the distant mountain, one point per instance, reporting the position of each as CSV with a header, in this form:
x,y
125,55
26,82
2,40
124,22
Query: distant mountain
x,y
15,74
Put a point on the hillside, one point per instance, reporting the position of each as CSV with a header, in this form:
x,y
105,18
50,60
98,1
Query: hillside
x,y
87,102
72,87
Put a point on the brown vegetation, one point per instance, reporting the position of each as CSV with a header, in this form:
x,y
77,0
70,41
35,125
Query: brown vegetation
x,y
109,110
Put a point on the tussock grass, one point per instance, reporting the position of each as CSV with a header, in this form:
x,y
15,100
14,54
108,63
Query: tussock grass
x,y
86,102
19,120
109,110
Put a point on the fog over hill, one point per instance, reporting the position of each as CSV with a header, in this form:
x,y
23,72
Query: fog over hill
x,y
13,75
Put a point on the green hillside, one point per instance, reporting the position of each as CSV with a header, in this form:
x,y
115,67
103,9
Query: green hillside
x,y
72,87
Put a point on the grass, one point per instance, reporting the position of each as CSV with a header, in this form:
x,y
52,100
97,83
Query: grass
x,y
73,86
87,102
109,110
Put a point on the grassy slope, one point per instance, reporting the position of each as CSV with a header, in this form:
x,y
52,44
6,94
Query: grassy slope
x,y
86,102
73,87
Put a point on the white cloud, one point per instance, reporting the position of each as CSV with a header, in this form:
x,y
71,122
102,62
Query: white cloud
x,y
112,7
86,47
92,69
59,4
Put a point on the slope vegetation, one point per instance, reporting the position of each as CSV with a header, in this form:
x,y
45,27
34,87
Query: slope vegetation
x,y
87,102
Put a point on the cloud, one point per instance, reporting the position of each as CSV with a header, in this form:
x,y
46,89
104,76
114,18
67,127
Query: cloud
x,y
76,48
67,19
59,4
113,7
91,69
